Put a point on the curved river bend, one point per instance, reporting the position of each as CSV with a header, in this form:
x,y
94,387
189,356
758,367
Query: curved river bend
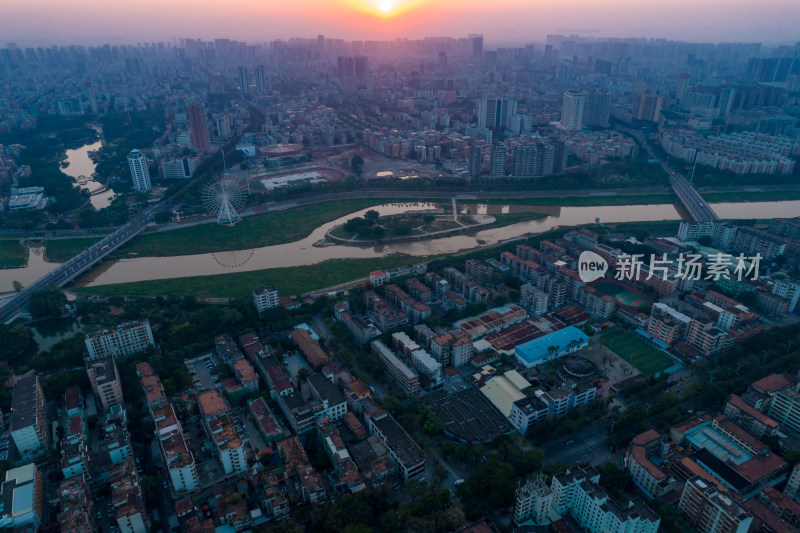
x,y
303,252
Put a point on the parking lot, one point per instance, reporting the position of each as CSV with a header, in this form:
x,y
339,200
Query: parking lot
x,y
202,372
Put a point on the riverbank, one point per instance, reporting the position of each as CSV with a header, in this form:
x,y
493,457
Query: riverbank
x,y
256,231
62,250
13,254
340,236
780,195
303,279
288,281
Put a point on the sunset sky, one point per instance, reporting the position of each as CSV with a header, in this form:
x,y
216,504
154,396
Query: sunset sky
x,y
45,22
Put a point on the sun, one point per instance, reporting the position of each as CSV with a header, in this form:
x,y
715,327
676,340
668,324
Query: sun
x,y
386,6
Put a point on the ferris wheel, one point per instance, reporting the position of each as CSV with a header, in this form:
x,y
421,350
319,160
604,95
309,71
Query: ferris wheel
x,y
225,197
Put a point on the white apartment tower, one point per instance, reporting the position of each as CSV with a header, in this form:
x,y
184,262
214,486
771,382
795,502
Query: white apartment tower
x,y
139,173
126,339
572,110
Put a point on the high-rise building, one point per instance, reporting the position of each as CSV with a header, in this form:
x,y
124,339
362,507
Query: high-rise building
x,y
475,161
534,160
265,298
28,416
345,67
140,175
725,101
499,161
496,113
360,64
572,110
477,47
197,122
560,155
105,382
261,81
126,339
532,502
597,109
648,107
244,81
711,511
683,87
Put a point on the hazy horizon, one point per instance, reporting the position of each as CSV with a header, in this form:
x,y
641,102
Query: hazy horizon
x,y
93,22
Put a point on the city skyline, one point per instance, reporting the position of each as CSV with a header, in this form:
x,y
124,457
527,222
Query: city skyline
x,y
45,22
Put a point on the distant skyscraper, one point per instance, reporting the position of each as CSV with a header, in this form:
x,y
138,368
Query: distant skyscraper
x,y
597,109
477,47
683,86
360,66
139,173
648,107
496,113
244,81
499,161
572,110
534,160
261,81
197,121
475,161
726,96
560,155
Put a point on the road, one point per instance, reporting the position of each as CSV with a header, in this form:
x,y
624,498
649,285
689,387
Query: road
x,y
68,271
698,209
588,445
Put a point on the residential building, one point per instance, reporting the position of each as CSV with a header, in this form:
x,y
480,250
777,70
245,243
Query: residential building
x,y
532,501
785,408
710,510
229,445
126,339
406,378
576,493
22,498
410,458
245,374
572,104
749,418
314,353
788,290
265,298
668,325
140,175
77,509
105,381
28,416
332,403
176,455
197,122
645,464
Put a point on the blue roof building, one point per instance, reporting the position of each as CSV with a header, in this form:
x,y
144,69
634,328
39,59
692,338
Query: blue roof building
x,y
537,351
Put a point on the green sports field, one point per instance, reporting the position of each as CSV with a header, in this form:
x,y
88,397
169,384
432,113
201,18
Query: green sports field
x,y
637,352
624,296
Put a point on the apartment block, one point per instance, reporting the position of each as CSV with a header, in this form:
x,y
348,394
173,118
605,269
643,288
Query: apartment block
x,y
105,382
176,455
408,456
28,416
265,298
710,510
126,339
406,378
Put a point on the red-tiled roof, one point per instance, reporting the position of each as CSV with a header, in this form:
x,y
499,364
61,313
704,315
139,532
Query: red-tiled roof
x,y
771,383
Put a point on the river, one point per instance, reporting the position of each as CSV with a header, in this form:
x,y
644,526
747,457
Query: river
x,y
303,252
82,166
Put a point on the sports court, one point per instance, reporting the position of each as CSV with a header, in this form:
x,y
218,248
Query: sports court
x,y
624,295
637,352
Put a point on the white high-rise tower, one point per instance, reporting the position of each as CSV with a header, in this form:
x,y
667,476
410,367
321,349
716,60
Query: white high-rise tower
x,y
572,110
139,173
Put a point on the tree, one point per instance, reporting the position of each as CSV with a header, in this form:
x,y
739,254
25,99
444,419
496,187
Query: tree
x,y
47,303
372,216
440,473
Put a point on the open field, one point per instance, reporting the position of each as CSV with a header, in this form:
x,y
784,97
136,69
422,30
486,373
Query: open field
x,y
267,229
288,281
637,352
61,250
12,254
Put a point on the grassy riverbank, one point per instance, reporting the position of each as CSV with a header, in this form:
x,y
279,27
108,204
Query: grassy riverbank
x,y
751,196
288,281
302,279
255,231
12,254
61,250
